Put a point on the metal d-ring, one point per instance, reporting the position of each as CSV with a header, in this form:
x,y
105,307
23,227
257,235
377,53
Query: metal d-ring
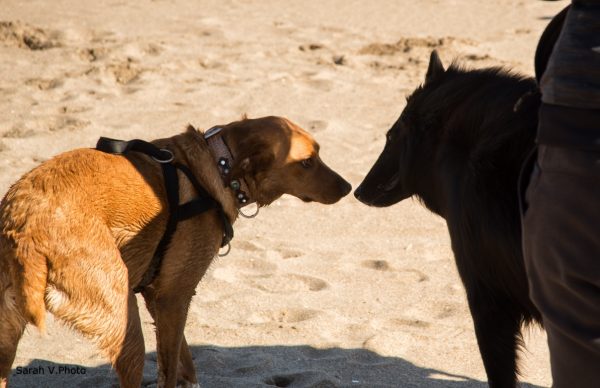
x,y
168,160
227,252
249,215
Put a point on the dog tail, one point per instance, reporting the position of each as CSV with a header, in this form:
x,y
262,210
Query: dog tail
x,y
23,285
35,275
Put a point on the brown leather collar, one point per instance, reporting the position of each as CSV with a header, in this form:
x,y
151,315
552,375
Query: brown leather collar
x,y
224,159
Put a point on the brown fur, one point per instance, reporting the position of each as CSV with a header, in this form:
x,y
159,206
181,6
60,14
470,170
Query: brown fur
x,y
77,234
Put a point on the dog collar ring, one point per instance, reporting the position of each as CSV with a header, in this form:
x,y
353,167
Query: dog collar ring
x,y
168,159
226,252
241,213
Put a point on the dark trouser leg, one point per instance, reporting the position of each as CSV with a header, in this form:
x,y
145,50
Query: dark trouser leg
x,y
561,242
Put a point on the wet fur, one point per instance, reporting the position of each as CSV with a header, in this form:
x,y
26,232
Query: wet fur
x,y
77,234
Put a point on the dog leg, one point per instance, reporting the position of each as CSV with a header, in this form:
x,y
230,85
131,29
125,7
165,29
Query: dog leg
x,y
186,371
12,325
90,292
171,314
128,357
113,324
497,327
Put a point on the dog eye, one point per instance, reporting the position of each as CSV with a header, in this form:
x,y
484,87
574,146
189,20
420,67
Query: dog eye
x,y
388,136
307,163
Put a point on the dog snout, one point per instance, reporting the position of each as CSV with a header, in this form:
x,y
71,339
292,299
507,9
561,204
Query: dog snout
x,y
346,187
358,192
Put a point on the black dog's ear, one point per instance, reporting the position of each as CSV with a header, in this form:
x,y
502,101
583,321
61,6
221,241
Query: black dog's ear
x,y
435,69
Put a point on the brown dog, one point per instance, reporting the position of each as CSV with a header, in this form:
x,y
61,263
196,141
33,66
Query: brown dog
x,y
78,234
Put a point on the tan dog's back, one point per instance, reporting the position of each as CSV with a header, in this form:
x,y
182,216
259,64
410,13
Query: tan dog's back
x,y
44,217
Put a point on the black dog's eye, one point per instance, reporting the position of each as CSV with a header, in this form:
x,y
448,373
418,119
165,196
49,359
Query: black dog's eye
x,y
388,136
307,163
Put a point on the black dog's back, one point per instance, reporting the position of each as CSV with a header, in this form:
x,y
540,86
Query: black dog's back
x,y
458,147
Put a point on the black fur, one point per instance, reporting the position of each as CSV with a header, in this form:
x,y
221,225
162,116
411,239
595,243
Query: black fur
x,y
458,147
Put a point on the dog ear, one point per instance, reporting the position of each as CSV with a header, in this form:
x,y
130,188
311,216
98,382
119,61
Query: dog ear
x,y
256,156
435,69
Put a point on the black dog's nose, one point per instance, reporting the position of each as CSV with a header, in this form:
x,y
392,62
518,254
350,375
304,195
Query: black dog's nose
x,y
358,192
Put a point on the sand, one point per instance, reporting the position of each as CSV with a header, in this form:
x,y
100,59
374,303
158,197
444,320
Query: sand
x,y
311,295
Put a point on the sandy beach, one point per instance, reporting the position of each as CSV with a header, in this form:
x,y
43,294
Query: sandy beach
x,y
310,295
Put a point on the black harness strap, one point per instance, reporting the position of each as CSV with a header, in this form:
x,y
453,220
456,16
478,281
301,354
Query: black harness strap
x,y
177,212
172,187
196,207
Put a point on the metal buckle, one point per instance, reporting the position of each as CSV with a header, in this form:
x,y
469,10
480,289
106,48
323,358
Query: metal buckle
x,y
211,132
168,160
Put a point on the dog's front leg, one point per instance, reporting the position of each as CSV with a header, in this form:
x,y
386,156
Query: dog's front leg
x,y
187,372
171,313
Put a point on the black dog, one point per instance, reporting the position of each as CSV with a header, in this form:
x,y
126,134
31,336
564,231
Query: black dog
x,y
458,146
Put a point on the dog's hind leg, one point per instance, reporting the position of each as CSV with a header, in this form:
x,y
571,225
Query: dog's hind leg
x,y
186,372
12,325
497,327
90,292
128,357
110,318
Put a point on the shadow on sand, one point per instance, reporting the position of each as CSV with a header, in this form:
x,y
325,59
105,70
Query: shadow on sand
x,y
264,366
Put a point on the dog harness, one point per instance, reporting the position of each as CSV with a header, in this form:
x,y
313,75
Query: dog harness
x,y
204,202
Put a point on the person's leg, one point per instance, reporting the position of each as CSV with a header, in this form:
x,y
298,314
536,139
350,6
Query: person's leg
x,y
561,242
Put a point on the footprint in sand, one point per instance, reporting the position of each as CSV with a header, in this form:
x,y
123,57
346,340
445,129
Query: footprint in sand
x,y
125,72
404,273
310,47
288,283
23,35
18,131
410,322
379,265
315,126
264,364
321,84
44,83
93,54
303,379
73,109
420,276
55,124
447,310
291,253
405,45
280,381
249,246
284,316
66,123
255,265
475,57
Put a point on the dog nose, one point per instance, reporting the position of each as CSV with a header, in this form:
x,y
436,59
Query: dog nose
x,y
346,188
358,192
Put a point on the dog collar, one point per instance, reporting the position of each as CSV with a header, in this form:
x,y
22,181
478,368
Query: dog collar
x,y
224,158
